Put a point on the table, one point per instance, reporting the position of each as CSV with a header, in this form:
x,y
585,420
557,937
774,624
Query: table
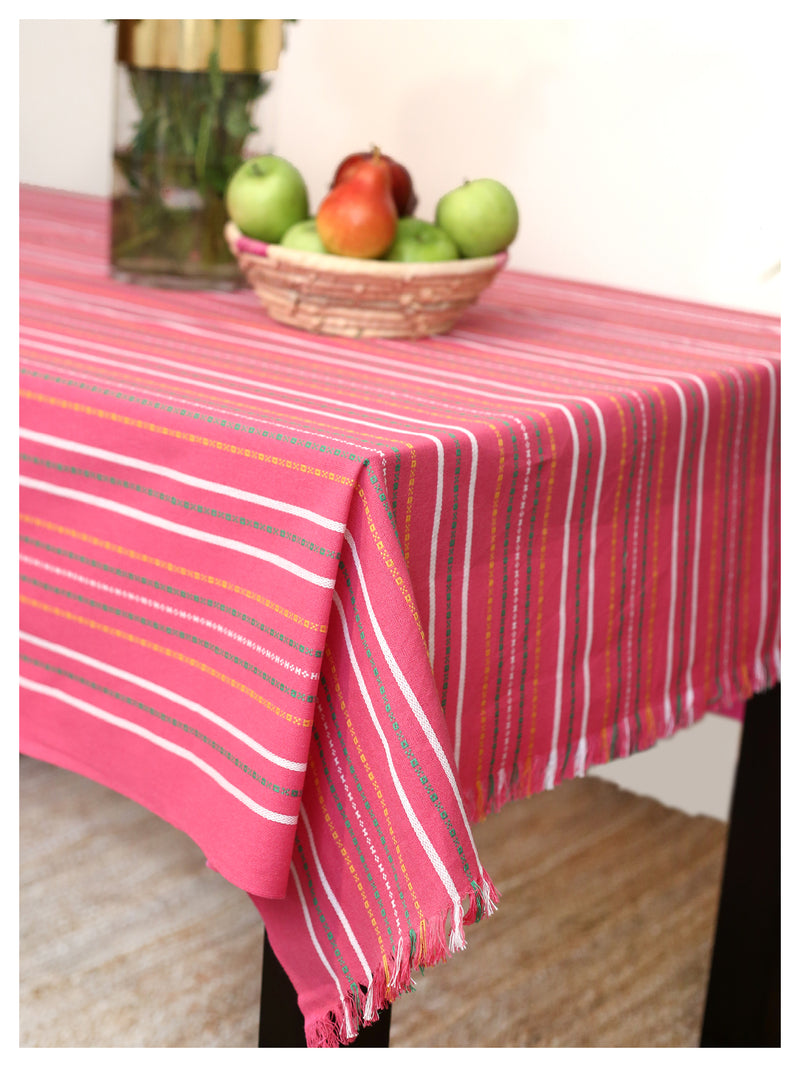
x,y
323,603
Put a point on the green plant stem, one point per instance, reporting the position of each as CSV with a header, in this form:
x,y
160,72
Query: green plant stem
x,y
190,135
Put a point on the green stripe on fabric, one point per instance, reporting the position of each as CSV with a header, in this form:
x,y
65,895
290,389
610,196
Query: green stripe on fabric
x,y
515,770
642,585
396,480
373,818
623,594
378,485
686,568
398,733
726,507
748,418
501,650
448,585
330,937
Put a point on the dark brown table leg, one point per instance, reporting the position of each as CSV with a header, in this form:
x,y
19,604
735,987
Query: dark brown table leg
x,y
743,999
742,1007
281,1021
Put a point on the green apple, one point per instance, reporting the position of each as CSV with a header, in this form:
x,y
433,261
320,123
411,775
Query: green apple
x,y
417,241
266,196
481,216
304,236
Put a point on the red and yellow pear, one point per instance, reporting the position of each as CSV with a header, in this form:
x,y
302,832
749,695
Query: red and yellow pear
x,y
405,199
358,217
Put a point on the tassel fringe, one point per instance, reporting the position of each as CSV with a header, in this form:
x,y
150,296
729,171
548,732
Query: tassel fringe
x,y
437,939
442,935
628,736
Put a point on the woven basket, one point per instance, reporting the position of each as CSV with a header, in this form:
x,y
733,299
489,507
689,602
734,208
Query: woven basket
x,y
351,297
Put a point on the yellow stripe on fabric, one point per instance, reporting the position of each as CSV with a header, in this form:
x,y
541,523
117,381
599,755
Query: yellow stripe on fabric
x,y
749,515
662,437
712,619
612,569
481,801
175,568
391,566
409,502
196,439
537,648
334,681
342,847
81,620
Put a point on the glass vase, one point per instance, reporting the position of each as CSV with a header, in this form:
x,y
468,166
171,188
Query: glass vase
x,y
186,92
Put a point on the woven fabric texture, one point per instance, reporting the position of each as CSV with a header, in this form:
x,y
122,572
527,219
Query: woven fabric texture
x,y
323,604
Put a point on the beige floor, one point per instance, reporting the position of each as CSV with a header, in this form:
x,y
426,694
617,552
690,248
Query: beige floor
x,y
603,937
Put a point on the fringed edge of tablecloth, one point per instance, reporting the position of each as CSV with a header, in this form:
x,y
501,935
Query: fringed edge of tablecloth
x,y
634,734
443,935
435,940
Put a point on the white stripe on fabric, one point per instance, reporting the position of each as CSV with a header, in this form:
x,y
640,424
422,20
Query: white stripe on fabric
x,y
550,771
669,718
182,477
315,942
511,688
168,694
337,907
437,518
462,662
729,608
776,648
699,474
761,679
323,725
635,586
422,837
407,691
581,751
160,742
177,528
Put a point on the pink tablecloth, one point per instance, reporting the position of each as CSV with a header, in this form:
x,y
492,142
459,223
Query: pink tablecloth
x,y
324,603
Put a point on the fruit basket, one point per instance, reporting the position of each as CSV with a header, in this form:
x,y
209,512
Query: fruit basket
x,y
350,297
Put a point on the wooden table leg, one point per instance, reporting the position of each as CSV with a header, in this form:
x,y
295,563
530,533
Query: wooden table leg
x,y
743,999
281,1021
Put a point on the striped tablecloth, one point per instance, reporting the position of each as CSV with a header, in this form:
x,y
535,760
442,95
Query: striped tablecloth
x,y
323,604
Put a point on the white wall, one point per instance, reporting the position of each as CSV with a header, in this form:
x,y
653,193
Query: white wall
x,y
643,153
